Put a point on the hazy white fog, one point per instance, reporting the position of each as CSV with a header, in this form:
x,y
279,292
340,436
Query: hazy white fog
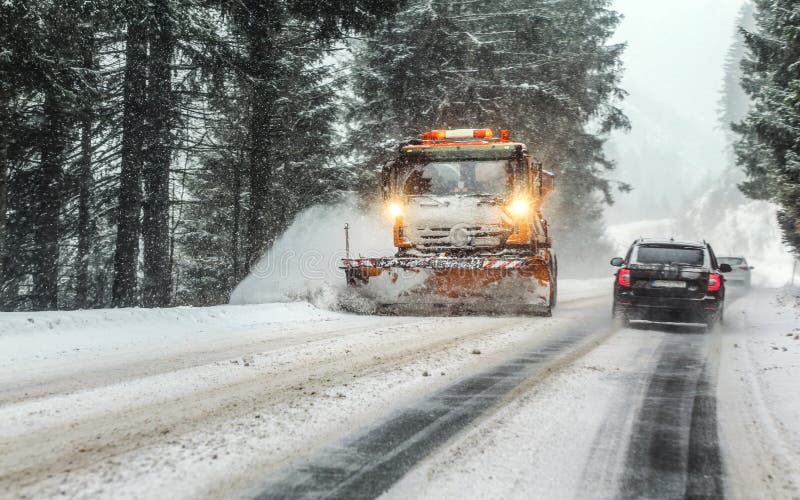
x,y
676,154
674,60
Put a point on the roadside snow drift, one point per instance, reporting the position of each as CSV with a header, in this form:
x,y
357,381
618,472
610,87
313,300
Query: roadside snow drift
x,y
31,337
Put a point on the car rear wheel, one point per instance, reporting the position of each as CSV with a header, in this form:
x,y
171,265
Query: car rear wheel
x,y
619,317
714,319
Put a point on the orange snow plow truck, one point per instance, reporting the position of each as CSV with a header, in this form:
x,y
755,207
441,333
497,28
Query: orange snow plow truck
x,y
468,229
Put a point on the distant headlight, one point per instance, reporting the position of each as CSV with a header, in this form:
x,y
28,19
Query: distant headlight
x,y
395,210
519,207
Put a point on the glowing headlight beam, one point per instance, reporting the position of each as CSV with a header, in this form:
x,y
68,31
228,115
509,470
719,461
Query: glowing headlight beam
x,y
395,210
519,207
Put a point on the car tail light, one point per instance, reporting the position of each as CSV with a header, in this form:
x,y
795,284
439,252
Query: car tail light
x,y
624,277
714,282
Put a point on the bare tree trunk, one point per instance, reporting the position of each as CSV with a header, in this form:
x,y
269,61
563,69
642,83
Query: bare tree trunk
x,y
85,185
5,120
155,223
47,228
261,56
260,177
236,265
126,253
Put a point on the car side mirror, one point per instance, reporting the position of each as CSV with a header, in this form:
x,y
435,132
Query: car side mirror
x,y
617,261
725,268
751,267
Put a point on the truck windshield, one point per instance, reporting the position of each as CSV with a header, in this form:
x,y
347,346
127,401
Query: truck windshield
x,y
670,255
442,178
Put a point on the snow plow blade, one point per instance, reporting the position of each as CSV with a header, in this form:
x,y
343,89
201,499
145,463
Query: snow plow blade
x,y
449,286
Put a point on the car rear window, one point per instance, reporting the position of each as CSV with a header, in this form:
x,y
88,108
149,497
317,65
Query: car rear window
x,y
670,255
731,261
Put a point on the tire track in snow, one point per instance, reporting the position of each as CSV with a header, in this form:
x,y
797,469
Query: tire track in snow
x,y
673,451
368,464
607,456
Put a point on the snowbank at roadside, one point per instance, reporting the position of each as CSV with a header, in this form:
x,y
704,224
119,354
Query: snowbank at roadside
x,y
757,405
29,335
39,336
770,333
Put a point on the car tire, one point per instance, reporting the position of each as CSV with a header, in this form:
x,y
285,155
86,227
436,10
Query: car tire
x,y
620,319
713,320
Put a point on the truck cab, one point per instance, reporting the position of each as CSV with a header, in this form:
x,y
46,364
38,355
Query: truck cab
x,y
462,192
468,230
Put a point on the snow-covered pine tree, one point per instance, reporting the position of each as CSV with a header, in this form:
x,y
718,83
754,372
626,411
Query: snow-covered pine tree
x,y
47,88
543,69
261,24
734,103
213,245
768,148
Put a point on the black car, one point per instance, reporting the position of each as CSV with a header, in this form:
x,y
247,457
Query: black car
x,y
669,281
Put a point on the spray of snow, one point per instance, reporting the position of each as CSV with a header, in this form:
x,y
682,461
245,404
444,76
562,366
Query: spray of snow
x,y
303,264
748,229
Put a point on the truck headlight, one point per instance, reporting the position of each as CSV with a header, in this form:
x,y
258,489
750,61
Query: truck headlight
x,y
395,210
519,207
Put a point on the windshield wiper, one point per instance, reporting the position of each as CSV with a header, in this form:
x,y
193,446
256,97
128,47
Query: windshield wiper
x,y
431,197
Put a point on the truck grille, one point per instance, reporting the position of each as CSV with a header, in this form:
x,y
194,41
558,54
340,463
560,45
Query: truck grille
x,y
458,236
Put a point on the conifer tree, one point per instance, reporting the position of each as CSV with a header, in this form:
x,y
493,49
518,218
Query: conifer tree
x,y
768,148
270,31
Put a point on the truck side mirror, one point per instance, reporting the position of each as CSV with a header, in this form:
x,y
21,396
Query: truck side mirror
x,y
725,268
617,261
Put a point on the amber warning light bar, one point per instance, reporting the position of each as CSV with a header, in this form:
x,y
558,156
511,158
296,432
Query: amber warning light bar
x,y
462,133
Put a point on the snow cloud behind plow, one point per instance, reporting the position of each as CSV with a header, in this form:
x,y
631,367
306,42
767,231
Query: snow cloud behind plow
x,y
303,264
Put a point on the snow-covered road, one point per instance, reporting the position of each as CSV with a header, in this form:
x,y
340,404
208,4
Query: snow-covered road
x,y
282,399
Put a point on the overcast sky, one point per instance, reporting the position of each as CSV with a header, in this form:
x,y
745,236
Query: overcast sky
x,y
676,51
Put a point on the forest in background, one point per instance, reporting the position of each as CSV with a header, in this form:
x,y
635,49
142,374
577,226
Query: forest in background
x,y
768,137
151,151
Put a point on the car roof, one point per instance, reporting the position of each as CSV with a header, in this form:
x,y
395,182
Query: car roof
x,y
670,242
731,257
